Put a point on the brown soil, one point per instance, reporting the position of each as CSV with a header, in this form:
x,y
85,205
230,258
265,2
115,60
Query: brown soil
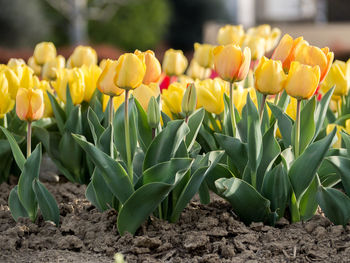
x,y
205,233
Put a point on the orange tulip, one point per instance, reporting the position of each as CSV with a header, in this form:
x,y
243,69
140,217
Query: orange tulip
x,y
153,67
105,83
29,104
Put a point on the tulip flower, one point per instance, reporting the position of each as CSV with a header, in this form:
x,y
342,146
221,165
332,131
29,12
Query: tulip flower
x,y
189,100
91,76
144,93
82,55
44,52
240,97
26,80
270,36
338,76
195,71
6,102
172,97
105,82
45,87
13,82
153,67
230,34
203,54
210,95
174,62
285,51
34,66
256,45
50,67
13,63
153,115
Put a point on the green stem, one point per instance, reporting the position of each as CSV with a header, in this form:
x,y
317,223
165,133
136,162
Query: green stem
x,y
261,111
297,133
5,121
110,121
160,214
127,136
29,139
232,114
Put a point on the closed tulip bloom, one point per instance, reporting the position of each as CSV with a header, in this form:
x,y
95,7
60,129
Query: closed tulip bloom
x,y
231,63
44,52
130,71
196,71
256,45
105,82
153,67
240,97
338,76
174,62
76,85
172,97
203,54
285,51
117,101
312,56
26,80
51,66
82,55
13,82
230,34
269,76
271,36
210,95
45,87
34,66
91,76
145,92
302,80
29,104
6,102
15,62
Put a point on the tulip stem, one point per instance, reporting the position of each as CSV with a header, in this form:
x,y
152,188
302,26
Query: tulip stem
x,y
127,136
5,121
297,133
232,114
110,121
262,106
29,138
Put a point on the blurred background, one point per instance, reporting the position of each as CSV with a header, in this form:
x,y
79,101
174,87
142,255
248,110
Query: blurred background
x,y
116,26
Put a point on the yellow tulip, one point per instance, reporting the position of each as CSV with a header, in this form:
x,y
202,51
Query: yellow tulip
x,y
145,92
338,76
347,126
29,104
302,80
292,108
269,76
117,101
183,79
130,71
13,82
333,105
105,82
210,95
271,36
195,71
230,34
13,63
312,56
82,55
91,76
172,97
174,62
34,66
44,52
153,68
45,87
203,54
6,102
231,63
256,45
26,80
330,128
50,67
240,97
166,110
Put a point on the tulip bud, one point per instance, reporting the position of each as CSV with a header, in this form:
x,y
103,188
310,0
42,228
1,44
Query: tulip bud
x,y
210,95
174,62
256,45
29,104
130,71
203,54
153,68
338,76
172,96
82,55
51,66
105,82
189,100
91,76
34,66
230,35
153,113
44,52
27,78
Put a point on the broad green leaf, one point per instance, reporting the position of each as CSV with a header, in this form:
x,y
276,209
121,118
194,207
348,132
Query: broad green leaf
x,y
246,202
334,204
166,119
304,168
206,139
287,156
25,191
307,124
104,196
346,140
194,123
58,112
90,195
219,171
104,142
342,165
95,125
16,151
308,203
283,101
47,203
166,143
16,207
113,173
340,121
69,102
144,130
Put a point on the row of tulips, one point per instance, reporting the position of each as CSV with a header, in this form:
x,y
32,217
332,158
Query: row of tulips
x,y
146,138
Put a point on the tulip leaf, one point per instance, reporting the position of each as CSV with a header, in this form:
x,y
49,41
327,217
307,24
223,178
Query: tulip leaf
x,y
308,203
144,130
113,173
340,121
254,208
304,168
69,102
284,124
242,125
328,174
58,112
165,119
91,196
276,188
16,151
194,123
104,142
335,205
342,165
16,207
119,130
47,203
103,195
287,156
219,171
166,143
206,139
346,138
95,125
236,151
283,100
25,191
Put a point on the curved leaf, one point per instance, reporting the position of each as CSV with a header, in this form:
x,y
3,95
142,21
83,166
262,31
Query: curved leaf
x,y
194,123
16,151
342,165
58,112
144,130
308,203
16,207
95,125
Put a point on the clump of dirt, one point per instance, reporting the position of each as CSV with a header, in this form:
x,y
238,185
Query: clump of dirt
x,y
204,233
